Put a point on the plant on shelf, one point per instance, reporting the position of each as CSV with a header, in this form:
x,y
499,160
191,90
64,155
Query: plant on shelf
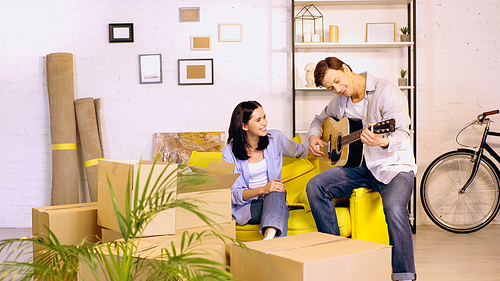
x,y
405,36
402,81
403,73
122,260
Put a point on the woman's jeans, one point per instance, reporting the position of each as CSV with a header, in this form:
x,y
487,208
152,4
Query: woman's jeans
x,y
270,210
339,182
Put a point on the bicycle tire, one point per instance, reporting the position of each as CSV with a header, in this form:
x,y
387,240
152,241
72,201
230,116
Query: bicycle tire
x,y
446,207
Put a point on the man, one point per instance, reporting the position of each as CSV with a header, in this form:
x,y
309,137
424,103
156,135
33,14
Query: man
x,y
388,167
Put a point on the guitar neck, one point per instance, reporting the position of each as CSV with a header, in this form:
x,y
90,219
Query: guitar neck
x,y
352,137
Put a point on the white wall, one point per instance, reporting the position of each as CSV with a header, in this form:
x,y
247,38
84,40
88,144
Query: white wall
x,y
255,69
457,60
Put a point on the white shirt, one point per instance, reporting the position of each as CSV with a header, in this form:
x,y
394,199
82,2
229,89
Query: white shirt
x,y
355,110
257,174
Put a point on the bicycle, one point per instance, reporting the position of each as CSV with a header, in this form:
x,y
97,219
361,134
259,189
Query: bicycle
x,y
460,189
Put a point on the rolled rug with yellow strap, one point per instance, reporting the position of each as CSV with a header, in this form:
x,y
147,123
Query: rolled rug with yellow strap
x,y
97,103
61,92
89,137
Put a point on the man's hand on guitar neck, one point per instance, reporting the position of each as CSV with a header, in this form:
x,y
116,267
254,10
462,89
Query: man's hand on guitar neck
x,y
371,139
314,141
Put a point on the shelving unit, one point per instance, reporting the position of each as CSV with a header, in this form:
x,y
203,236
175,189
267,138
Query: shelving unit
x,y
382,60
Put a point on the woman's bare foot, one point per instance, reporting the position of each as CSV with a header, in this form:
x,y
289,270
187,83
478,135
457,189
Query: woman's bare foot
x,y
269,233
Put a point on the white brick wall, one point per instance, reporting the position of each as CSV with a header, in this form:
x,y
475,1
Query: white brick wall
x,y
457,77
458,62
256,68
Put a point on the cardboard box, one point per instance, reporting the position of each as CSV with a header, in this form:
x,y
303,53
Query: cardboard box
x,y
227,229
310,257
150,247
213,199
118,174
70,223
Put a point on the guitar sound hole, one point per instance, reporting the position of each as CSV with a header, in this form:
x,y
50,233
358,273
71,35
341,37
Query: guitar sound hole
x,y
339,143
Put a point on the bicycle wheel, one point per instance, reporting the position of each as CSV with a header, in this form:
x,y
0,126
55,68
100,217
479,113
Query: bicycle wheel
x,y
446,207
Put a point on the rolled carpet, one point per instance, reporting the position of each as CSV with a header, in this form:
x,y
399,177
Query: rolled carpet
x,y
89,138
97,103
61,92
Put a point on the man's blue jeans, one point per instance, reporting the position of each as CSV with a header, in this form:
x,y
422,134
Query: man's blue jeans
x,y
339,182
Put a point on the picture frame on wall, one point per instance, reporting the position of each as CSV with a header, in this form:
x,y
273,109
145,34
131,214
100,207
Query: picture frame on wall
x,y
381,32
200,43
191,14
150,69
121,32
196,71
230,32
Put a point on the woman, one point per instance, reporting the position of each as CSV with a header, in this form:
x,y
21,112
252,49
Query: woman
x,y
258,196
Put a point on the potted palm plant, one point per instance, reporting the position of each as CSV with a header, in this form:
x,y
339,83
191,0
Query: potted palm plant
x,y
402,81
405,36
123,259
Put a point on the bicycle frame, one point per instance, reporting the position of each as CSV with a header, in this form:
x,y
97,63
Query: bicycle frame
x,y
479,154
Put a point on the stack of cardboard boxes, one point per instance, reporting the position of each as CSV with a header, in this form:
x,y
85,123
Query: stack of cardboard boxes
x,y
303,257
72,223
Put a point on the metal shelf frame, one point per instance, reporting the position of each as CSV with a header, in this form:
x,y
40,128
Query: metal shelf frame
x,y
412,60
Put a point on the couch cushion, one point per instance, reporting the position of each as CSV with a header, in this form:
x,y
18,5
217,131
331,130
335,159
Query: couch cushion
x,y
295,167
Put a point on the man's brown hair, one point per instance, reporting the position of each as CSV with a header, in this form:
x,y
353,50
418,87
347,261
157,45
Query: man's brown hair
x,y
323,65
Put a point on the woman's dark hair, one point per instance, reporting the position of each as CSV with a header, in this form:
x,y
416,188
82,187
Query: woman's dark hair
x,y
241,115
323,65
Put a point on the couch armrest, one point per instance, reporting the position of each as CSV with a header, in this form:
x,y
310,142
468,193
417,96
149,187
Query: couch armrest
x,y
367,216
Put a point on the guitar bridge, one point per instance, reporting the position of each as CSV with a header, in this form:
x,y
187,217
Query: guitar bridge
x,y
329,145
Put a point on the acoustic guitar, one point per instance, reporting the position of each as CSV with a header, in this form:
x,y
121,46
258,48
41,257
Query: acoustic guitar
x,y
342,141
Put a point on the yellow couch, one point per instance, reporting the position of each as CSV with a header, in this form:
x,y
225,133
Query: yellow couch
x,y
360,216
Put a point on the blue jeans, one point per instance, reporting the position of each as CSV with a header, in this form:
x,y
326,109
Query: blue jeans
x,y
339,182
270,210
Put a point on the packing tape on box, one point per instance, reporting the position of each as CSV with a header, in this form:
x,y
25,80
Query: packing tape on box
x,y
53,208
298,247
63,146
92,162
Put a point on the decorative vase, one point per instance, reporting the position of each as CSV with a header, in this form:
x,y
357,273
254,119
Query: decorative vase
x,y
405,37
402,82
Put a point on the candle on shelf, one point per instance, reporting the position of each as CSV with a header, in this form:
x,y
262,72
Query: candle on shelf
x,y
334,33
307,37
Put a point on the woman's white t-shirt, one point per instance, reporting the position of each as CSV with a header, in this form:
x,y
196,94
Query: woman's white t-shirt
x,y
257,174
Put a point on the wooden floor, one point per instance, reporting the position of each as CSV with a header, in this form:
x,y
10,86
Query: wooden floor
x,y
439,255
445,256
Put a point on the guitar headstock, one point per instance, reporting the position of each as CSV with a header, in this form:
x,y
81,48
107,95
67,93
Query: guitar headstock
x,y
385,127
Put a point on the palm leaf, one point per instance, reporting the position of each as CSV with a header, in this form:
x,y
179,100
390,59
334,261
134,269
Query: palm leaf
x,y
121,260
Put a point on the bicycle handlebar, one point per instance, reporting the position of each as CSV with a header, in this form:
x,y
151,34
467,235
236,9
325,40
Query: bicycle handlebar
x,y
481,116
491,112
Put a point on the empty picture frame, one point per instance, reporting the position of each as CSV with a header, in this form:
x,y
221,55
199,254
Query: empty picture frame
x,y
189,14
382,32
200,43
121,32
150,69
230,32
196,71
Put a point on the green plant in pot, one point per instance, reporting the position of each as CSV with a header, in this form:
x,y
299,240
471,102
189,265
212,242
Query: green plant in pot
x,y
405,36
125,259
402,81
